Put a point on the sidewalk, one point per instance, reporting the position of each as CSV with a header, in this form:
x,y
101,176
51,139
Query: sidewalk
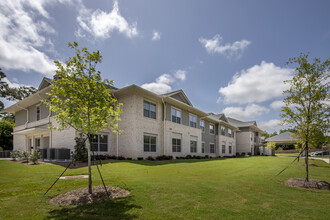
x,y
327,160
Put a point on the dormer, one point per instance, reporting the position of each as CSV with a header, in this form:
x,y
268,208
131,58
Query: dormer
x,y
45,83
178,95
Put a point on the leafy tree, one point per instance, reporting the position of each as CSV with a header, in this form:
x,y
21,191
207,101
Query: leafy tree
x,y
6,137
287,129
271,145
306,109
81,99
268,135
13,94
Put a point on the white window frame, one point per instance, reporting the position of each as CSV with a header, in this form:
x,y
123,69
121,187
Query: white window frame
x,y
213,128
223,143
214,148
150,103
177,110
230,148
224,130
99,141
178,137
193,139
150,135
202,127
231,132
192,121
203,148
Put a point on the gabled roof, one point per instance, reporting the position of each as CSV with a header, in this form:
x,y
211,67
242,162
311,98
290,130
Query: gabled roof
x,y
220,117
178,95
283,137
239,123
45,82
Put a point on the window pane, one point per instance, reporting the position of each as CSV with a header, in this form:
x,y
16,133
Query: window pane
x,y
153,148
146,106
103,138
178,113
94,138
146,139
103,147
146,147
152,108
94,147
153,115
153,140
178,120
178,149
146,113
173,141
173,112
178,142
173,148
173,118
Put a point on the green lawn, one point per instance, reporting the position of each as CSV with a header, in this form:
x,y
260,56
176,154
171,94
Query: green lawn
x,y
236,188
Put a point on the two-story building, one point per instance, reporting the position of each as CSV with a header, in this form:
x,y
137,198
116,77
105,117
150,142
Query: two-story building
x,y
152,125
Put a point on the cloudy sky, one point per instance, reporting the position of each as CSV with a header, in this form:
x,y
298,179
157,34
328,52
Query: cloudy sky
x,y
227,56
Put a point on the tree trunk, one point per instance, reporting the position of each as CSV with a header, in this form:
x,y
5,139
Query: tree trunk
x,y
306,162
89,165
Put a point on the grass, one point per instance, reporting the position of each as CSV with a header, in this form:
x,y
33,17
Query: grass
x,y
236,188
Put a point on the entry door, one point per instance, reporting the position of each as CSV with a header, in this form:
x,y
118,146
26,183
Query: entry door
x,y
37,143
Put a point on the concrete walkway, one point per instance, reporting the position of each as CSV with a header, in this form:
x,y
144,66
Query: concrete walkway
x,y
327,160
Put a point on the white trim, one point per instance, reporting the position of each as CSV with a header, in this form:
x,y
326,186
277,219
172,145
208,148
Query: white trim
x,y
150,102
213,128
203,131
196,119
214,148
177,109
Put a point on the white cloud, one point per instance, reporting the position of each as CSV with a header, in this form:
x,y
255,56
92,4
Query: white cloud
x,y
155,35
163,83
257,84
214,46
271,125
250,111
22,37
180,74
277,104
100,24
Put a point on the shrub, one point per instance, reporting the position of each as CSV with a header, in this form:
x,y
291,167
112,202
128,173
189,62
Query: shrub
x,y
249,154
121,158
206,156
80,151
35,156
140,158
164,157
15,154
128,158
237,154
26,156
112,157
198,157
150,158
1,149
188,156
243,154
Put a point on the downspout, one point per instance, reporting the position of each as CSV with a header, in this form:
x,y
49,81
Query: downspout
x,y
164,126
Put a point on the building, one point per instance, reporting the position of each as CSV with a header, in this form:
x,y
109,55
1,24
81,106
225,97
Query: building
x,y
152,125
248,138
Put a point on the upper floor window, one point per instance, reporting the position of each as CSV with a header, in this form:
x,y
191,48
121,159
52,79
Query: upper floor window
x,y
211,129
193,144
99,142
149,110
176,116
38,113
149,142
202,125
229,132
223,131
212,149
193,121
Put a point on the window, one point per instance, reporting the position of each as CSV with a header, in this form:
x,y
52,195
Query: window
x,y
203,147
149,110
202,125
193,144
211,129
99,142
212,149
176,116
38,113
176,143
230,148
223,131
229,132
193,121
223,147
149,143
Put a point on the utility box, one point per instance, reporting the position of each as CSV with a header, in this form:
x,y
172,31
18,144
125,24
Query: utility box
x,y
62,154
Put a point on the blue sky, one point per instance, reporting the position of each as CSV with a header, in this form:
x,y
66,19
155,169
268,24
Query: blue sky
x,y
227,56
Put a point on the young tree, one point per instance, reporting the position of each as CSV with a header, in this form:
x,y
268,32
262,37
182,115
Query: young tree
x,y
306,107
81,99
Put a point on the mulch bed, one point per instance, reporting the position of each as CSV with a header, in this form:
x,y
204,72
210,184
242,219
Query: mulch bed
x,y
82,197
312,184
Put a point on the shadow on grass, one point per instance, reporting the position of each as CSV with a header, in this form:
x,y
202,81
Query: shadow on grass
x,y
142,162
110,209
